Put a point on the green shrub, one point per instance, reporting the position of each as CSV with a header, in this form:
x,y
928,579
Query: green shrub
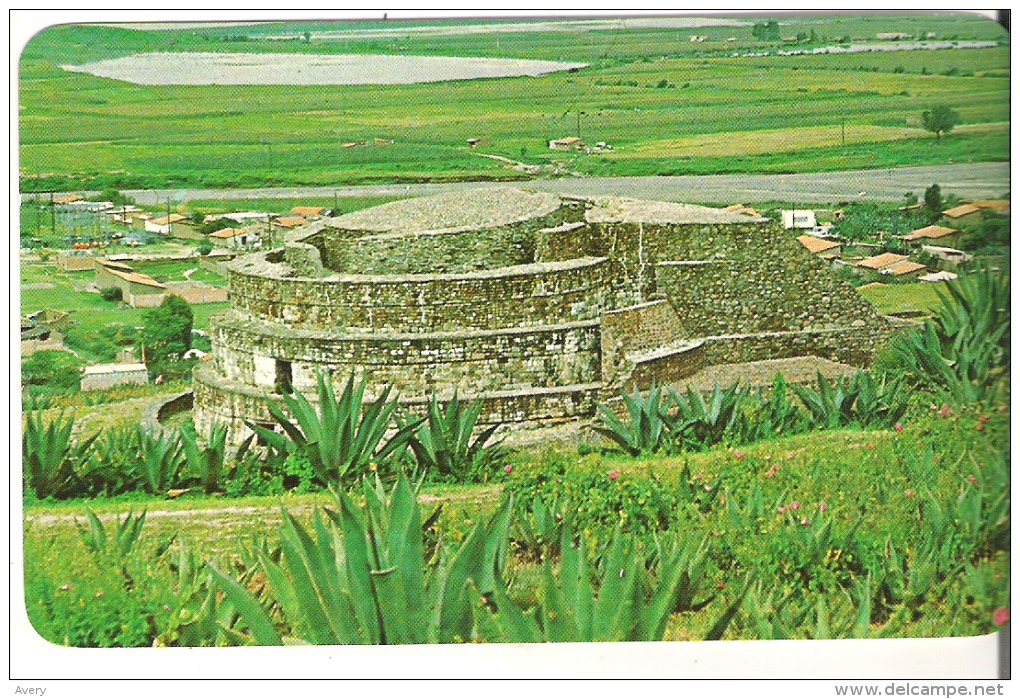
x,y
205,463
112,293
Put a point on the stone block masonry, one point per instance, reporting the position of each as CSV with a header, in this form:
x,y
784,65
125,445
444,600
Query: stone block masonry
x,y
537,305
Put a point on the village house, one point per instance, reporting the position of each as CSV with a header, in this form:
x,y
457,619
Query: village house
x,y
75,260
880,262
942,276
569,143
993,206
290,222
825,249
798,218
164,225
308,212
238,238
67,199
116,275
904,270
930,233
948,254
963,215
100,376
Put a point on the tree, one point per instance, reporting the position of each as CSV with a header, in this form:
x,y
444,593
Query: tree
x,y
167,333
939,120
933,202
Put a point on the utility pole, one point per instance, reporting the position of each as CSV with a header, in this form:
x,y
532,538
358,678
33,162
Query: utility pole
x,y
843,122
53,217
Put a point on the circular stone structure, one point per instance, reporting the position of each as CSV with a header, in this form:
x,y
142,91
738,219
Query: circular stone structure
x,y
536,304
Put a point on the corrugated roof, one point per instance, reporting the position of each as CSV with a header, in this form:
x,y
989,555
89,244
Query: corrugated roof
x,y
930,232
226,233
902,268
961,210
882,261
1000,206
290,221
136,278
67,199
816,245
114,368
172,218
111,265
938,277
307,210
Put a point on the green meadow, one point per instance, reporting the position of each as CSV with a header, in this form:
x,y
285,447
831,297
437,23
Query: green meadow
x,y
650,93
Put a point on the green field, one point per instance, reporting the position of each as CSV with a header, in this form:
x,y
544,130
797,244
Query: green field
x,y
644,90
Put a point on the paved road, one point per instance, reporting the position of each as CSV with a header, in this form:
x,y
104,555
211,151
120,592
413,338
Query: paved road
x,y
969,181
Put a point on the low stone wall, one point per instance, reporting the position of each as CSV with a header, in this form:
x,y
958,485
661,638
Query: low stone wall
x,y
536,294
855,346
54,342
665,366
214,266
222,402
635,329
472,362
166,407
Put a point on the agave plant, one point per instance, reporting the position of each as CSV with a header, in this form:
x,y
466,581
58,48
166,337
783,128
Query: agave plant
x,y
768,415
648,426
701,423
362,578
160,461
443,445
205,463
880,402
125,534
629,597
832,405
51,457
964,349
344,436
538,532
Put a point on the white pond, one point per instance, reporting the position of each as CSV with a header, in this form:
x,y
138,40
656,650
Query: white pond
x,y
308,69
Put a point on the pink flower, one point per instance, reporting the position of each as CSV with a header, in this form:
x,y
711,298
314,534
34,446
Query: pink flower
x,y
1003,408
823,507
983,419
782,510
909,493
805,522
946,410
980,427
722,499
613,475
720,585
899,428
794,505
934,407
509,468
708,489
739,455
1001,616
971,479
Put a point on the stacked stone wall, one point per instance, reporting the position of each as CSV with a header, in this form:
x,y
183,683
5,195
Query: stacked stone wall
x,y
545,293
415,364
441,252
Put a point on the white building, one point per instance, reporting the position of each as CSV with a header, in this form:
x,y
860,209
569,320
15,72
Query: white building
x,y
799,218
100,376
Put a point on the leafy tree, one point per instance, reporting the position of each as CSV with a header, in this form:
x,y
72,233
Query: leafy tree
x,y
939,120
167,332
933,201
767,31
204,248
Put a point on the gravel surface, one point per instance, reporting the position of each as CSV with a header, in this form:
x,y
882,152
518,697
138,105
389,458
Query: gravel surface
x,y
967,180
618,209
477,208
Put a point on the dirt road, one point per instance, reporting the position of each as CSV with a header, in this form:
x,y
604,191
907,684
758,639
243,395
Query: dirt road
x,y
969,180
